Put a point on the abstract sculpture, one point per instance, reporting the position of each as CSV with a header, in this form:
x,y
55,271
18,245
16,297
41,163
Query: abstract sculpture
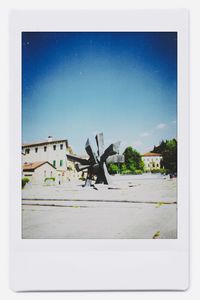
x,y
96,164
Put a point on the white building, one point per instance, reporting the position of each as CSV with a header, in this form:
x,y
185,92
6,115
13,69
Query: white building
x,y
152,161
52,151
37,172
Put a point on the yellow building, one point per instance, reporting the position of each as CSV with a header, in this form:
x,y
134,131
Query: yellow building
x,y
152,161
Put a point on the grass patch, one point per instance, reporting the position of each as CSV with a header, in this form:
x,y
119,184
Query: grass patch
x,y
159,204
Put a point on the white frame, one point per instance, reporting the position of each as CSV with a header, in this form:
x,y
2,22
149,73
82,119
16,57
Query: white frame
x,y
99,264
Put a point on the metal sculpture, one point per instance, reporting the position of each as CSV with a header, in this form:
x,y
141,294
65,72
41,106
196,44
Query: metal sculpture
x,y
96,164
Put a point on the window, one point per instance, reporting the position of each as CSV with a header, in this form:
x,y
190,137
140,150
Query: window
x,y
45,148
36,150
54,163
45,173
61,163
27,151
54,147
61,146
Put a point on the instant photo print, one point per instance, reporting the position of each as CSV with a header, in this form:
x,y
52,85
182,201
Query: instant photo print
x,y
99,150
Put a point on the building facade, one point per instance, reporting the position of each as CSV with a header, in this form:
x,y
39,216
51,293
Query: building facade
x,y
152,161
38,172
52,151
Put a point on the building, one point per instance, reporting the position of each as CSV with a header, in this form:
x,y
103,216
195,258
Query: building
x,y
51,151
38,172
152,161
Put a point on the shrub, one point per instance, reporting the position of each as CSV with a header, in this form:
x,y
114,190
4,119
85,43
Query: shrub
x,y
138,172
129,172
25,180
126,172
49,178
161,171
113,168
82,178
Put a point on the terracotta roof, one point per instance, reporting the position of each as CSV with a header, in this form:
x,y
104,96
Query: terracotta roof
x,y
44,143
35,165
151,154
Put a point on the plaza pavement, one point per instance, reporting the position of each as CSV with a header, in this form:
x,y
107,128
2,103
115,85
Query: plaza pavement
x,y
137,207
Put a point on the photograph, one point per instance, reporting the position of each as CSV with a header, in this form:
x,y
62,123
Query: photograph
x,y
99,135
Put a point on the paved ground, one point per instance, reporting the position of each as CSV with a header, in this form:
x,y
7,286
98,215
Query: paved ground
x,y
139,207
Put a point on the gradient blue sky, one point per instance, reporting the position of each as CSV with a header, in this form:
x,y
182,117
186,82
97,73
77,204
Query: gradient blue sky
x,y
75,84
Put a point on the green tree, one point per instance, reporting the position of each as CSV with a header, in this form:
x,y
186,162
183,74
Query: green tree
x,y
170,156
168,150
133,160
160,148
133,163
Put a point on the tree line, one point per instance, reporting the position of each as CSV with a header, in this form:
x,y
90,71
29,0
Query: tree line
x,y
133,163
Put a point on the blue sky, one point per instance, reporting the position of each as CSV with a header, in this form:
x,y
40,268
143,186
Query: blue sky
x,y
75,84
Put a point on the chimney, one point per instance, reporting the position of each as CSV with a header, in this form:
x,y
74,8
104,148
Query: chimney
x,y
50,138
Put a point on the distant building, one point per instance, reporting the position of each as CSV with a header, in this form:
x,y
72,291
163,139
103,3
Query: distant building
x,y
37,172
51,151
152,161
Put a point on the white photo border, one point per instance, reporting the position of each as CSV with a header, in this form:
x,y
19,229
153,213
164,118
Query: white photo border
x,y
99,264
